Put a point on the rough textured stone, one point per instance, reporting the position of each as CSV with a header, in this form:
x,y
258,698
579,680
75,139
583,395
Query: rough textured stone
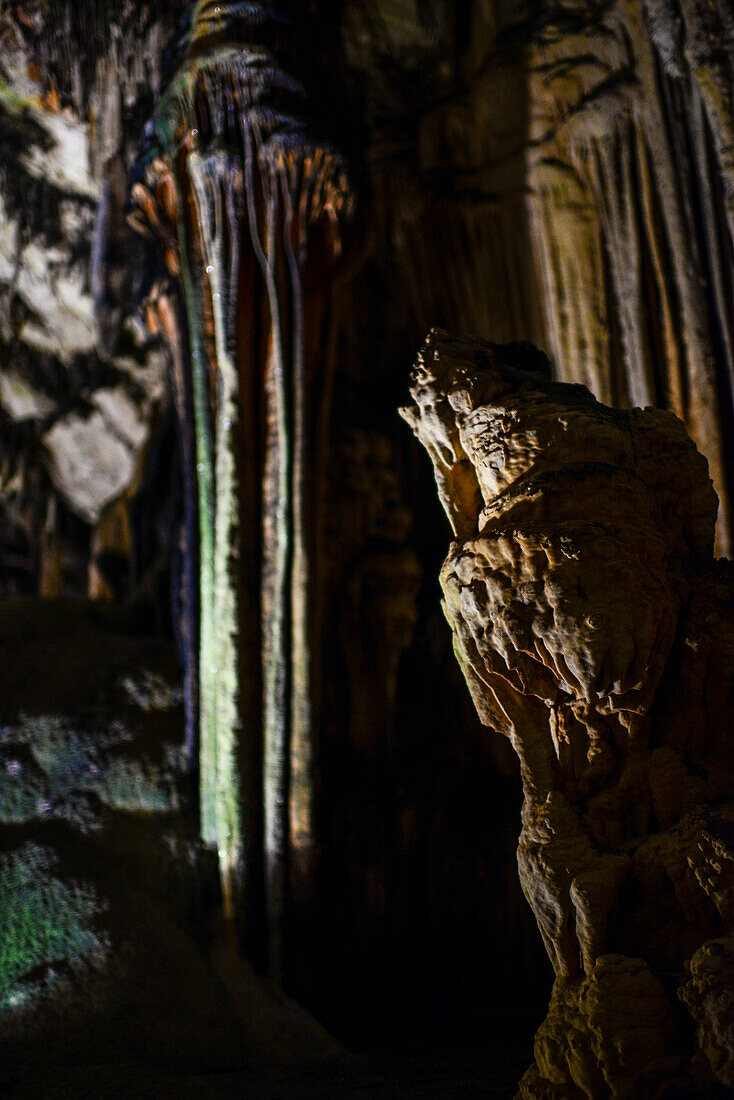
x,y
71,87
708,996
592,625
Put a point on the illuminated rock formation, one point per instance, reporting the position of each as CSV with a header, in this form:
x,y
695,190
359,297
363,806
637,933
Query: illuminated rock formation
x,y
594,629
249,205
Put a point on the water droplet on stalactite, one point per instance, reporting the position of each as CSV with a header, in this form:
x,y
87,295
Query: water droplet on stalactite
x,y
200,468
210,270
216,297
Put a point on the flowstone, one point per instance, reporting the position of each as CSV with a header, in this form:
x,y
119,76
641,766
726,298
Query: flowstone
x,y
594,629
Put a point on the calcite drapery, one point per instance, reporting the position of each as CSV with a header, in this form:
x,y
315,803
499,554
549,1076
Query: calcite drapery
x,y
564,174
630,122
594,628
248,204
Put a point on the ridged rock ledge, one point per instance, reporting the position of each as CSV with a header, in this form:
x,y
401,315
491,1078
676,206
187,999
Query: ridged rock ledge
x,y
595,630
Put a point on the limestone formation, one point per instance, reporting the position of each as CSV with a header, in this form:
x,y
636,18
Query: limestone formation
x,y
560,170
565,174
249,206
80,408
630,122
594,629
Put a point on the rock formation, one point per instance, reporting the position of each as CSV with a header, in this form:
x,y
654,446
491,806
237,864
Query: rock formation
x,y
594,629
77,399
104,453
564,173
554,170
249,205
630,123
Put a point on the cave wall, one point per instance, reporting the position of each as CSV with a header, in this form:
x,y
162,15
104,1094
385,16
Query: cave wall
x,y
552,171
557,172
561,172
630,210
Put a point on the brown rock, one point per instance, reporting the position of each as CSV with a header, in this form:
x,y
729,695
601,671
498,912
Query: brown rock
x,y
588,616
708,996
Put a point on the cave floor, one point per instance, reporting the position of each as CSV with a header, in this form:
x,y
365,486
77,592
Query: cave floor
x,y
403,1078
109,988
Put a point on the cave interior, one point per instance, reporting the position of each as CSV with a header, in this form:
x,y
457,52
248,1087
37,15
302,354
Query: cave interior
x,y
329,767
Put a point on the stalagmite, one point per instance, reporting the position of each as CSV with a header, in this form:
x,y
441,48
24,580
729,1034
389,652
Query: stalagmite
x,y
594,629
249,206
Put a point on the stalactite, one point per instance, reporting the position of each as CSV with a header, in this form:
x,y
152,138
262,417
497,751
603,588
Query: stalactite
x,y
249,210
